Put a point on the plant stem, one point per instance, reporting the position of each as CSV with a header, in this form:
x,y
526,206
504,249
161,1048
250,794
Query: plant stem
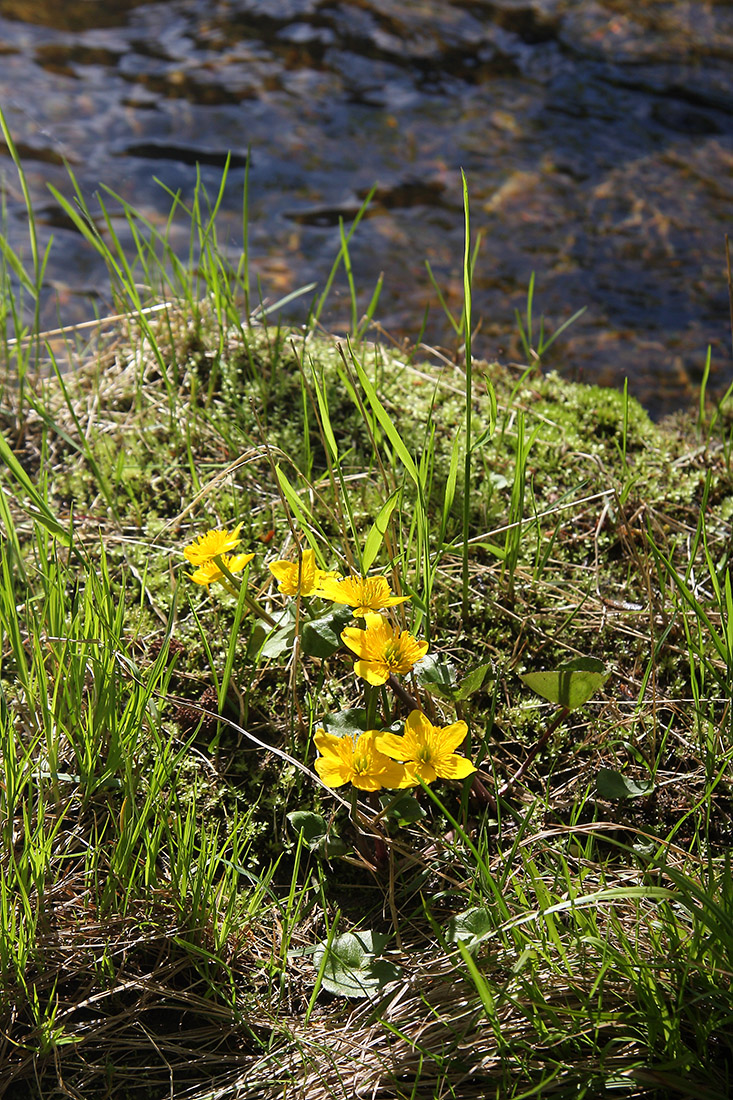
x,y
371,695
469,390
233,586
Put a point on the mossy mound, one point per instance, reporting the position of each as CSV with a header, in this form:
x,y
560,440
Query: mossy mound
x,y
171,732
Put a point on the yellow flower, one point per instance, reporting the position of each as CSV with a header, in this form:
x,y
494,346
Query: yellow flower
x,y
209,571
345,760
382,649
364,594
211,544
305,579
428,750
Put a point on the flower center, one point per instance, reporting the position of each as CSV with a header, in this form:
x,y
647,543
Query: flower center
x,y
392,653
424,754
361,764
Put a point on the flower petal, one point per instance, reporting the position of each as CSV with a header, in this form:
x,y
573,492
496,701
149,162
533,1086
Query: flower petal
x,y
355,639
450,737
364,594
334,765
210,544
427,772
332,773
374,672
396,776
237,561
454,767
280,570
394,746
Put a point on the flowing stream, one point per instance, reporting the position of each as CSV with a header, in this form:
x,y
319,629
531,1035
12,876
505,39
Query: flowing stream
x,y
596,137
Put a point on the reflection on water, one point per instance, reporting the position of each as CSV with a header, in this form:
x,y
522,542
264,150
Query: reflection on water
x,y
597,138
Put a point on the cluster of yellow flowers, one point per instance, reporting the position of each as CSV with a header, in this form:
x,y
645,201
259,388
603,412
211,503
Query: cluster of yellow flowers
x,y
377,760
374,759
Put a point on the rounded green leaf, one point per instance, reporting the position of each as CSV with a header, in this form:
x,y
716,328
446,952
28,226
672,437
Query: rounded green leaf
x,y
311,825
572,684
316,834
404,809
470,927
322,637
351,968
612,785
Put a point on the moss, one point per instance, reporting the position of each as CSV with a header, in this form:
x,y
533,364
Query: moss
x,y
150,469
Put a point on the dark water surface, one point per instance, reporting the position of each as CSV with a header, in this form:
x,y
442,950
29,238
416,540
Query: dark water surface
x,y
597,138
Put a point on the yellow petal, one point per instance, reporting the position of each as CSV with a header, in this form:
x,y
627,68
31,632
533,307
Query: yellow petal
x,y
455,767
393,746
333,774
210,544
372,671
450,737
396,776
237,561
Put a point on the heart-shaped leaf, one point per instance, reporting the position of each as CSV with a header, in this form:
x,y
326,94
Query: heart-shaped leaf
x,y
349,722
311,825
439,676
472,682
351,967
281,637
322,637
404,809
317,835
436,674
470,927
614,786
572,684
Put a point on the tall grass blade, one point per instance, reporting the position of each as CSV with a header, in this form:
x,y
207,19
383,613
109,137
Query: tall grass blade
x,y
467,331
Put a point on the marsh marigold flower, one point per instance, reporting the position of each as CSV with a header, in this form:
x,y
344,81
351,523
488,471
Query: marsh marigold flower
x,y
304,580
209,545
363,594
382,649
357,761
428,751
209,571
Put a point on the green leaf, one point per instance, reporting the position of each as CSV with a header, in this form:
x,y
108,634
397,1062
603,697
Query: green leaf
x,y
491,548
316,834
39,508
298,505
437,674
488,432
325,418
322,637
343,722
472,682
313,826
352,968
405,808
612,785
281,637
375,538
572,684
450,485
470,927
385,422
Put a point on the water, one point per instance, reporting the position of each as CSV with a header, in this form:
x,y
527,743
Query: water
x,y
597,138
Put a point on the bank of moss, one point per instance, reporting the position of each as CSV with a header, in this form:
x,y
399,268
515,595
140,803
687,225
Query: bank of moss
x,y
141,461
145,463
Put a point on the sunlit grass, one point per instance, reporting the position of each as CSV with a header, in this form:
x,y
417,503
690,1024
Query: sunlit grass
x,y
182,890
